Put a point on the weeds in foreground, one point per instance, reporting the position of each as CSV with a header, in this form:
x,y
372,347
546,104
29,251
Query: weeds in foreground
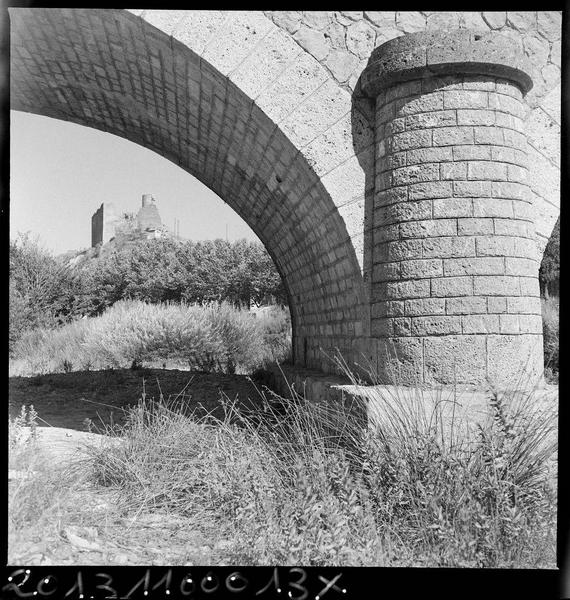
x,y
300,483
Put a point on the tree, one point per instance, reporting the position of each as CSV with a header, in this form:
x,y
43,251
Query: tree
x,y
549,273
44,292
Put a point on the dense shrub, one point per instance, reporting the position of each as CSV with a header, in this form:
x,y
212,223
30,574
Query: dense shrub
x,y
216,337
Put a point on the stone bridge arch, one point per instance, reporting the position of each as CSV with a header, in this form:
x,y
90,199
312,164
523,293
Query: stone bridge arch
x,y
267,109
116,72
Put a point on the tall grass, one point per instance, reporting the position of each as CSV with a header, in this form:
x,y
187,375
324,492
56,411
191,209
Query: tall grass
x,y
215,337
303,483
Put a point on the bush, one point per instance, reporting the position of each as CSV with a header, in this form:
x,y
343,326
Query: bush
x,y
550,329
130,333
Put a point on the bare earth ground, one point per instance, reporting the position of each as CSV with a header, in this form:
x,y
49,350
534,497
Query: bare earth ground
x,y
67,399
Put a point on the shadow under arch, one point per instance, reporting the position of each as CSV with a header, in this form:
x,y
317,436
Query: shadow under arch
x,y
110,70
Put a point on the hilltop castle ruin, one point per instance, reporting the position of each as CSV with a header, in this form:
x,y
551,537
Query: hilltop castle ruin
x,y
106,224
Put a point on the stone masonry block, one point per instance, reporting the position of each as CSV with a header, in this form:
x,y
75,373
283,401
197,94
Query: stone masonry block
x,y
451,286
506,104
530,323
521,266
402,326
420,104
405,211
496,305
520,357
523,210
458,358
401,290
409,140
386,272
468,116
395,308
474,266
493,207
524,305
472,189
483,170
509,155
453,170
425,306
472,152
415,174
466,305
475,226
431,228
432,189
392,308
512,228
422,268
489,135
451,136
517,174
529,286
438,118
452,207
495,246
436,325
448,247
507,121
429,155
480,324
405,249
515,139
401,360
526,248
465,99
381,327
509,324
391,196
496,285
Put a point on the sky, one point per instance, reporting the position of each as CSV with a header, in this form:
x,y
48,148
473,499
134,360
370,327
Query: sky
x,y
60,173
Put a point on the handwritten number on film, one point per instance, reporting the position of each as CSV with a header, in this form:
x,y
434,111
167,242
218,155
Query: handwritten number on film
x,y
208,585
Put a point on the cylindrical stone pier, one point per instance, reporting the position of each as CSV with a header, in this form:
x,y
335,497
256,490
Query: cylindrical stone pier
x,y
455,294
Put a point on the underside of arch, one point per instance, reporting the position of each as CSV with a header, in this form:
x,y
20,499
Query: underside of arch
x,y
110,70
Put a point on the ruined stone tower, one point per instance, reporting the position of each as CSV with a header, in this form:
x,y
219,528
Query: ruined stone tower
x,y
148,218
106,224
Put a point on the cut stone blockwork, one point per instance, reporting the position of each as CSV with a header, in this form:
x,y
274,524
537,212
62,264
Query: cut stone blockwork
x,y
455,293
436,257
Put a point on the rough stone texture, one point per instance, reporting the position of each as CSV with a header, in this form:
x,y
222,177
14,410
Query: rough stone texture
x,y
232,98
539,32
480,199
